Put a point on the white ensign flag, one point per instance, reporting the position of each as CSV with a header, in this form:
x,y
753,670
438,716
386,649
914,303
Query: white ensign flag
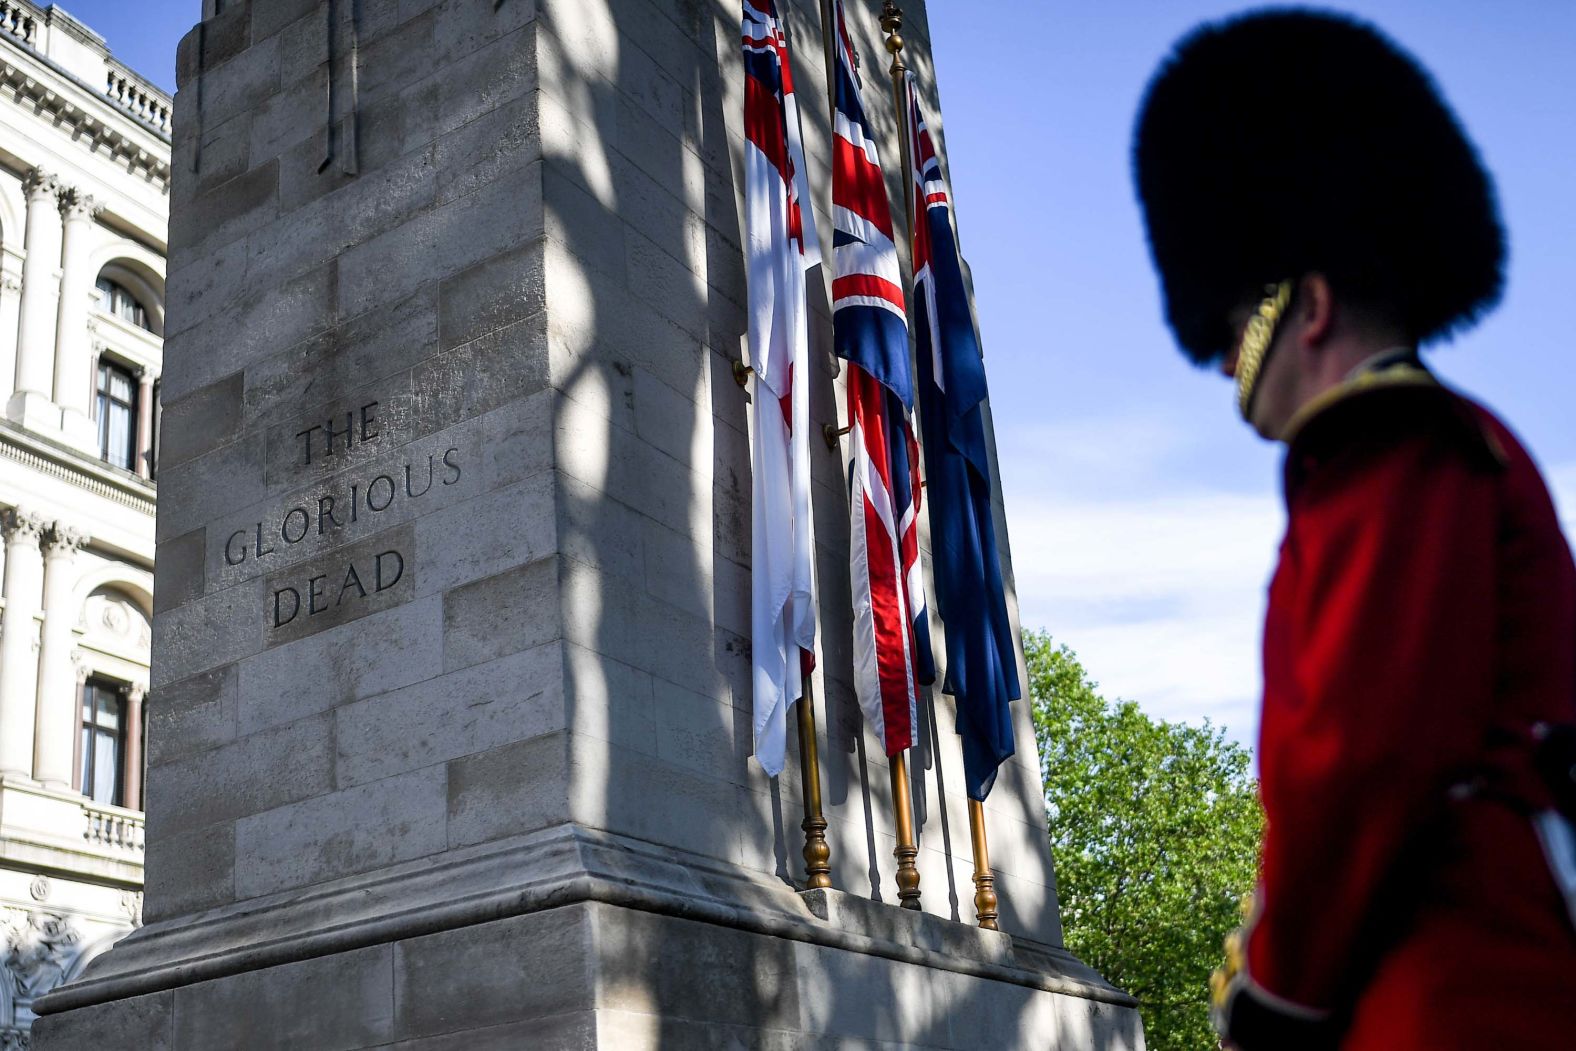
x,y
780,246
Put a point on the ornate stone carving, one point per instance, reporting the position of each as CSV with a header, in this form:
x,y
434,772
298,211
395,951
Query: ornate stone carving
x,y
131,905
114,620
40,948
74,204
63,541
39,889
113,615
21,526
40,183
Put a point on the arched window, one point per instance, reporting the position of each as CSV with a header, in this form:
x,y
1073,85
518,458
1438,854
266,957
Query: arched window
x,y
116,299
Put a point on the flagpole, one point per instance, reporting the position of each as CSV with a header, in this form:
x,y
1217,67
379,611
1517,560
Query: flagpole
x,y
985,900
892,22
907,851
902,800
817,852
829,48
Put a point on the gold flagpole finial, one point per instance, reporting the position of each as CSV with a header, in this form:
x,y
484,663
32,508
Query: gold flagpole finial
x,y
892,24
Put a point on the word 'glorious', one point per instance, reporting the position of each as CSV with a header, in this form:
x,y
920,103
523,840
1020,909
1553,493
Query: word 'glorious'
x,y
338,510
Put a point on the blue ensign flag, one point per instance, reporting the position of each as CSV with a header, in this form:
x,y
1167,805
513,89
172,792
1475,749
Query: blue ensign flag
x,y
982,667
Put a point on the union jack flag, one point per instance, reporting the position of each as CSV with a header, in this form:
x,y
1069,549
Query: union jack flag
x,y
780,245
870,330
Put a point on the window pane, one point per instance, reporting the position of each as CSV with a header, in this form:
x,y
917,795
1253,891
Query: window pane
x,y
117,415
118,451
87,761
106,768
108,710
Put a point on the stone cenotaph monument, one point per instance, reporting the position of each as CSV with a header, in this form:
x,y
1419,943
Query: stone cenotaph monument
x,y
449,730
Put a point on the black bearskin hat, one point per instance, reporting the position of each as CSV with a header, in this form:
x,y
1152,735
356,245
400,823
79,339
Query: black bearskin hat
x,y
1279,143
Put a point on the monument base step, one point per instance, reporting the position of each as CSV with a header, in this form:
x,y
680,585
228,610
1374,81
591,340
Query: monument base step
x,y
576,938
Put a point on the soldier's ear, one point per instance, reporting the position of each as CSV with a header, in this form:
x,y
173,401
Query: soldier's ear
x,y
1313,308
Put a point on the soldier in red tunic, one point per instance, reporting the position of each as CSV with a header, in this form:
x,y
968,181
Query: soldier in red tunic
x,y
1317,214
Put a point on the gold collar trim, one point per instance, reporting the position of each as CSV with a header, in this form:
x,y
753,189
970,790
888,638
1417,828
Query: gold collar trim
x,y
1402,375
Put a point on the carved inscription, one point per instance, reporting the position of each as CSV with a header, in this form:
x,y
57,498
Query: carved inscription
x,y
337,583
340,586
345,506
321,437
386,569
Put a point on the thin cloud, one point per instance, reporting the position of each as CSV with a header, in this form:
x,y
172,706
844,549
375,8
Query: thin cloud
x,y
1155,580
1162,594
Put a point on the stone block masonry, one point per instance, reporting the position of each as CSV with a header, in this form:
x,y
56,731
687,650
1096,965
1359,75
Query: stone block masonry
x,y
449,730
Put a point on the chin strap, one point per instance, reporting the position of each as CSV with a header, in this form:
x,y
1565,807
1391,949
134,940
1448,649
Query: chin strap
x,y
1256,340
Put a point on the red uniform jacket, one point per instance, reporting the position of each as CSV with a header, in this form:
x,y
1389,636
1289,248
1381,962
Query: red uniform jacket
x,y
1421,620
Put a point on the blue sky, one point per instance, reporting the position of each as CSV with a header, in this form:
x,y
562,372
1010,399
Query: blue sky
x,y
141,33
1144,516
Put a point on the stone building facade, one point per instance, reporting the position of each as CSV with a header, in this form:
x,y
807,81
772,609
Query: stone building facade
x,y
84,190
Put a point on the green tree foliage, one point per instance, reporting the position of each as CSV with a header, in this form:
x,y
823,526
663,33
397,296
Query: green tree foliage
x,y
1155,831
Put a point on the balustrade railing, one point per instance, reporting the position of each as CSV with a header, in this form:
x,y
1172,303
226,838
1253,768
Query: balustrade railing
x,y
26,23
19,20
113,828
130,92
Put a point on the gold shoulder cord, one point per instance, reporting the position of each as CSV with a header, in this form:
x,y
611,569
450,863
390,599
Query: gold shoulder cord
x,y
1256,341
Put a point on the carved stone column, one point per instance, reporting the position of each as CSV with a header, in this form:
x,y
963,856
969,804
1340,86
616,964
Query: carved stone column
x,y
35,340
57,709
24,574
144,465
73,356
131,786
10,310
